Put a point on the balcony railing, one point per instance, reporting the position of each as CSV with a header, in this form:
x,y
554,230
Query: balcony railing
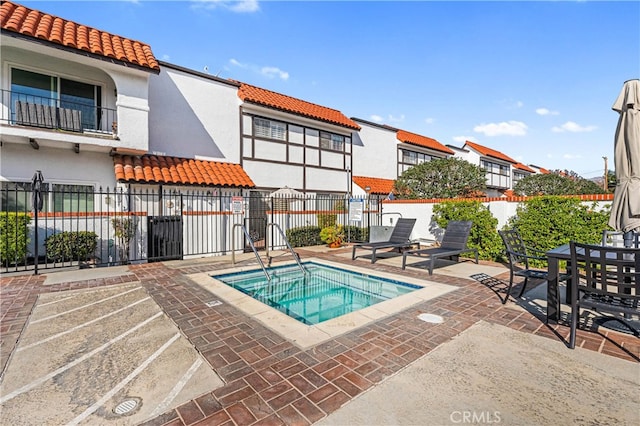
x,y
23,109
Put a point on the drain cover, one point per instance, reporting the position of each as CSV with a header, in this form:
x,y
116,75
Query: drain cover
x,y
125,407
434,319
213,303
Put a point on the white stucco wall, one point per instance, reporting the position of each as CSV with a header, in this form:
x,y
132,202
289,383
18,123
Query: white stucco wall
x,y
19,163
192,115
426,229
375,152
130,85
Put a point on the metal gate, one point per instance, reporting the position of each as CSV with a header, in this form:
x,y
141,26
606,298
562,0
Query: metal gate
x,y
256,221
165,238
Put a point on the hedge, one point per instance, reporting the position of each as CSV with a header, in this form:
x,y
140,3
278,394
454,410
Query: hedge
x,y
14,237
78,245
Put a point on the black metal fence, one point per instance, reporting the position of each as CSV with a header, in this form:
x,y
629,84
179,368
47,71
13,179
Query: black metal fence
x,y
79,226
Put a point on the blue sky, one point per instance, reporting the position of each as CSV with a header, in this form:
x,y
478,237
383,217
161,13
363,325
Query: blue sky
x,y
534,80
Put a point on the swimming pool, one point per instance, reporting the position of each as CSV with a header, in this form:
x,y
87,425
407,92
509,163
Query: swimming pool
x,y
322,293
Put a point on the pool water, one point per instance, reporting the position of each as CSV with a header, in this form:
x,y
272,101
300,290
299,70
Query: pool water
x,y
323,293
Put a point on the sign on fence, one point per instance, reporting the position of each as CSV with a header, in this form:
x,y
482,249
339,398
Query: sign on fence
x,y
356,206
237,205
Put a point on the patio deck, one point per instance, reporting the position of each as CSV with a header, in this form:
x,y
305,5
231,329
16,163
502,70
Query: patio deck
x,y
267,379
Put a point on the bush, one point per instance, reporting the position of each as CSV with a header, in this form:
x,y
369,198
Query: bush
x,y
13,237
484,233
547,222
326,219
355,233
304,236
71,245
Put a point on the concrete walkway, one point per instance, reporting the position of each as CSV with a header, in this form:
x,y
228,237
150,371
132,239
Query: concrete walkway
x,y
147,343
492,374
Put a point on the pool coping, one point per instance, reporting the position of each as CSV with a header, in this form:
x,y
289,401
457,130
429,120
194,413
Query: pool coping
x,y
305,336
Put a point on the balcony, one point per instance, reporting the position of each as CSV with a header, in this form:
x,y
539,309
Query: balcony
x,y
21,109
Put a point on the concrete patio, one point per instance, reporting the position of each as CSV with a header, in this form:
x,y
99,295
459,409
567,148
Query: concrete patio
x,y
152,344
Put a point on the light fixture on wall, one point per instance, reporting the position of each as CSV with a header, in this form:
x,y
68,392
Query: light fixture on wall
x,y
76,148
34,143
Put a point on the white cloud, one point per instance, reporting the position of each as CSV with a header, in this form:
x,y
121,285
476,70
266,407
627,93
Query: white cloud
x,y
390,118
510,128
236,63
272,72
165,57
463,139
519,104
545,111
393,119
240,6
429,120
573,127
266,71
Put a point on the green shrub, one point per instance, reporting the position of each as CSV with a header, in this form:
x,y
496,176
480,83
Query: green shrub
x,y
326,219
13,237
71,245
547,222
304,236
331,219
484,233
355,233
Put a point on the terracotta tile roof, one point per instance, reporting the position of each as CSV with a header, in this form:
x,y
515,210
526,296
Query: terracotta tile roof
x,y
377,185
286,103
39,25
179,171
540,169
420,140
523,167
488,152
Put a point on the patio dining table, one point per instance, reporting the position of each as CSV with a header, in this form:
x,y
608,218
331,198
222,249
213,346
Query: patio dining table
x,y
554,257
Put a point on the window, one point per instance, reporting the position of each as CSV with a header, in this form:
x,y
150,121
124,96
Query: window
x,y
409,157
498,175
42,89
269,129
16,197
331,141
517,176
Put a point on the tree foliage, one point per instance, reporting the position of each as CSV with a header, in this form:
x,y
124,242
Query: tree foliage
x,y
441,178
550,221
483,236
555,184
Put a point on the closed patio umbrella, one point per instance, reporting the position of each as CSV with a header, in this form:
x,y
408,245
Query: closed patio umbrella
x,y
37,201
625,209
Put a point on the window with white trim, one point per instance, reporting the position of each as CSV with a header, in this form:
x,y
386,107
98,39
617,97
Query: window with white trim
x,y
269,129
57,198
331,141
518,176
51,90
497,175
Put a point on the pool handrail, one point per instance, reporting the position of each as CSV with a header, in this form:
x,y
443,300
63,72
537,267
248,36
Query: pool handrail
x,y
284,237
253,247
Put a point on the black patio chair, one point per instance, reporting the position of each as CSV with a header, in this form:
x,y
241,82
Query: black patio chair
x,y
604,279
454,243
399,239
519,255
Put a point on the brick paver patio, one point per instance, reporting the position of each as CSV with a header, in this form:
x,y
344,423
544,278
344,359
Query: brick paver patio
x,y
270,381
